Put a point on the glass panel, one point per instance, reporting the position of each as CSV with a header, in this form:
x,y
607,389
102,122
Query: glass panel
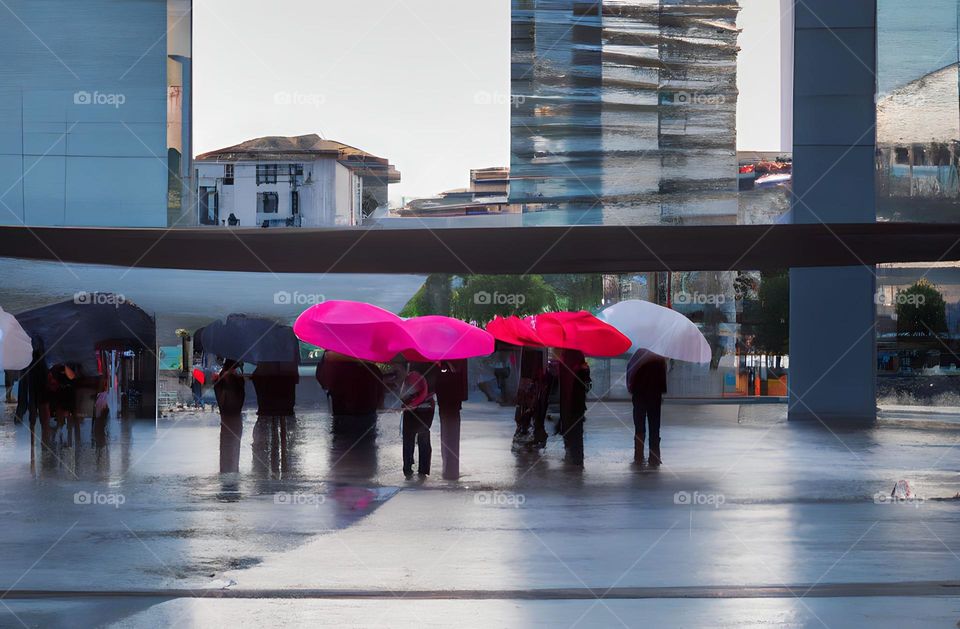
x,y
918,111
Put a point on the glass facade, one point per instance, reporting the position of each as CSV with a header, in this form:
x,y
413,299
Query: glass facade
x,y
94,112
624,111
918,111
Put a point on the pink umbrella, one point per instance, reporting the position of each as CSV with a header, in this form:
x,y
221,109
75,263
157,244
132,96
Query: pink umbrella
x,y
444,338
354,329
366,332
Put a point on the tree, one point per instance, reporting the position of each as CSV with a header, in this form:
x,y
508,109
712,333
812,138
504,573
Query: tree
x,y
433,298
921,310
577,291
773,320
484,296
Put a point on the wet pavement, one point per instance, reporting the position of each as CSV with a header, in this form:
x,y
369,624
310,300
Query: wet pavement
x,y
745,501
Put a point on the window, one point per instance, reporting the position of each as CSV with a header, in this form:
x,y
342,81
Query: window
x,y
266,173
296,170
209,206
295,202
267,202
228,174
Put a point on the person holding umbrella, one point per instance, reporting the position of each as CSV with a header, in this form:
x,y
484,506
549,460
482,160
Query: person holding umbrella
x,y
452,391
417,402
647,382
229,388
574,377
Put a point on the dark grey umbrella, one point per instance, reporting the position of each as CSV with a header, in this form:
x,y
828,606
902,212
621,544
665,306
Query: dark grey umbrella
x,y
250,339
71,331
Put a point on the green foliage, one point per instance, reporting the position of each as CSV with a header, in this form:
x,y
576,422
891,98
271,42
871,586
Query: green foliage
x,y
484,296
577,291
921,310
773,328
433,298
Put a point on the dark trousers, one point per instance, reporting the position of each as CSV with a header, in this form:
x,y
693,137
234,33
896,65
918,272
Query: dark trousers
x,y
416,433
450,440
646,413
572,430
231,428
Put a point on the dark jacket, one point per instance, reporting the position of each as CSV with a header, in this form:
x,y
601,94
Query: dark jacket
x,y
451,387
229,389
650,380
355,388
276,391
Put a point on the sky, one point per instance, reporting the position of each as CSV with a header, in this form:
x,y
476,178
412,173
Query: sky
x,y
424,83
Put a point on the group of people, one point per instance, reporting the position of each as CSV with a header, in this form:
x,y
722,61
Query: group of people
x,y
357,391
568,375
56,397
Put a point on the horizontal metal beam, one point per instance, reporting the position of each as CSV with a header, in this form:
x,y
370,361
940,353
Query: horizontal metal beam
x,y
506,250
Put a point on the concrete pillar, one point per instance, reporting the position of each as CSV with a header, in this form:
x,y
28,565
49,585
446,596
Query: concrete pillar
x,y
832,311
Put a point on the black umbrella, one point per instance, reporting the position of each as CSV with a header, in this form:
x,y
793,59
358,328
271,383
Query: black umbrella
x,y
250,339
72,330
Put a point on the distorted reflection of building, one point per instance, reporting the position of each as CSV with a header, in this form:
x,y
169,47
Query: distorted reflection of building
x,y
489,193
625,110
300,181
918,131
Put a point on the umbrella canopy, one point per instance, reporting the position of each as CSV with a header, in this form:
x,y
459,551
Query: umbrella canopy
x,y
366,332
251,340
445,338
72,330
354,329
658,329
515,331
16,348
580,331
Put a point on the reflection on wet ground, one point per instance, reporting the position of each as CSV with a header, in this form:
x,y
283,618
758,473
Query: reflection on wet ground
x,y
143,506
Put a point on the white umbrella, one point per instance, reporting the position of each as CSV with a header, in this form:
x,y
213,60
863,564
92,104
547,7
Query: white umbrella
x,y
659,330
16,349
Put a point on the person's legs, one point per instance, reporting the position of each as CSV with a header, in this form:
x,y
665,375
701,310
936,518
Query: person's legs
x,y
653,416
409,431
573,440
424,449
450,441
639,428
231,428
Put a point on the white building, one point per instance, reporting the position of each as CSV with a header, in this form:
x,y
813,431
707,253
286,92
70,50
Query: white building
x,y
302,181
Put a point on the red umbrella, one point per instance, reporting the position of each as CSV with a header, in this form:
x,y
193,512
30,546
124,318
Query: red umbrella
x,y
515,331
581,331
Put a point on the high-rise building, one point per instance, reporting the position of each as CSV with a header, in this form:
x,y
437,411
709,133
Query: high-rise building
x,y
95,113
624,111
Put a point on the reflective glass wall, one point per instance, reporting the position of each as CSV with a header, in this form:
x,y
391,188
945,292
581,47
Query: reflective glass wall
x,y
94,112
